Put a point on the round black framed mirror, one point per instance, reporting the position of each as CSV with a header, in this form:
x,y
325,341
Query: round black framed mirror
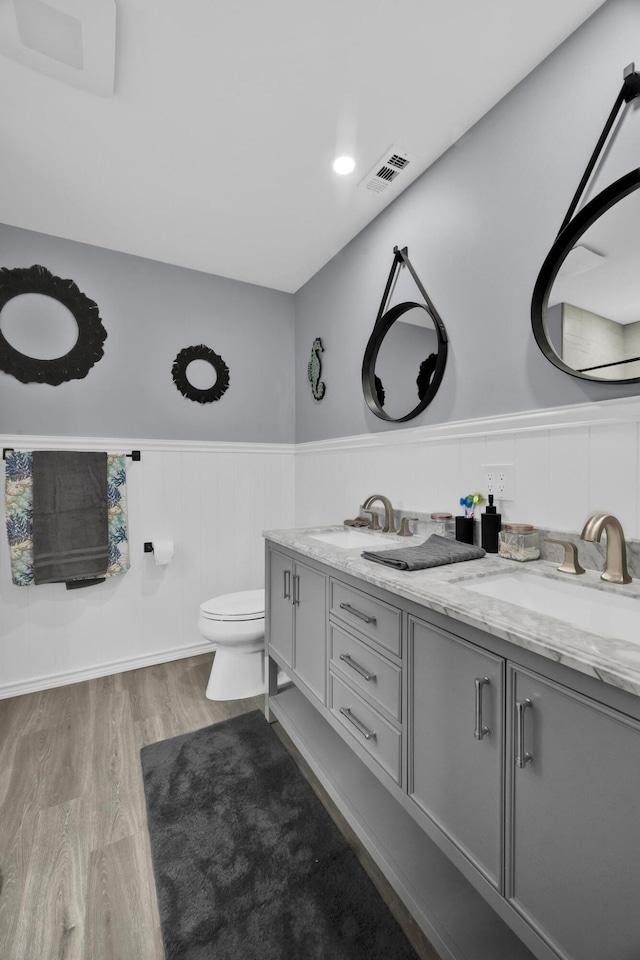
x,y
180,372
406,354
87,346
404,362
585,310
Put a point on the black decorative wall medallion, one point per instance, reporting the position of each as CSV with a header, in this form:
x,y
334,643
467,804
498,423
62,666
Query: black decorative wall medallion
x,y
88,348
179,372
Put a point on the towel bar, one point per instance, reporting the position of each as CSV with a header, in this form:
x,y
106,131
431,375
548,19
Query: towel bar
x,y
134,455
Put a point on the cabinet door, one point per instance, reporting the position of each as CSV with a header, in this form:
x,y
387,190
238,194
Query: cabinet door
x,y
574,864
280,606
310,613
456,745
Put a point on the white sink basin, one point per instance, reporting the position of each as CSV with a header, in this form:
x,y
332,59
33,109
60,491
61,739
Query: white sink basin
x,y
597,611
349,539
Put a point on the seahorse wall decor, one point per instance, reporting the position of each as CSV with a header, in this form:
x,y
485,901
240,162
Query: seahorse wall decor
x,y
314,370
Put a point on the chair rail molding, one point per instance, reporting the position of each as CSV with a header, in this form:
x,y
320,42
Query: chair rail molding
x,y
620,410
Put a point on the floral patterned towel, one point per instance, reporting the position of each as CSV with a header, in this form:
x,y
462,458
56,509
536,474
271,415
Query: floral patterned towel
x,y
19,510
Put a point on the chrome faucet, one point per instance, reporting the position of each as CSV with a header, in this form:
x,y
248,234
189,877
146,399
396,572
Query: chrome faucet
x,y
615,564
388,513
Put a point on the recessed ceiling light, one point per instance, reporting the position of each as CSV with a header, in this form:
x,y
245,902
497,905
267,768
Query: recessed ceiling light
x,y
344,165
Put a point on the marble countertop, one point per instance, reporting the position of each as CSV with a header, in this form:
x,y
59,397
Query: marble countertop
x,y
610,659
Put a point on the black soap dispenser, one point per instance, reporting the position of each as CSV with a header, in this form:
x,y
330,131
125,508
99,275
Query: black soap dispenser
x,y
491,524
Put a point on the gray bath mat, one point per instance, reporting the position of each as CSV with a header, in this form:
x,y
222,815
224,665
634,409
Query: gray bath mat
x,y
248,863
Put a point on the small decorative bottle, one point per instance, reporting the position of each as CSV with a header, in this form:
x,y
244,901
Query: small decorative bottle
x,y
491,523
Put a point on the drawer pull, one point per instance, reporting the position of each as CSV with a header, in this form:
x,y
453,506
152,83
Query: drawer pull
x,y
286,584
356,613
295,599
480,731
356,666
523,757
360,727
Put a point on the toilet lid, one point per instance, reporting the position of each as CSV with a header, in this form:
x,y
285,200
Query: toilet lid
x,y
245,605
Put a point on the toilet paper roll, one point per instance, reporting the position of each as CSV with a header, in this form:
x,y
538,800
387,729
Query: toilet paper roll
x,y
162,552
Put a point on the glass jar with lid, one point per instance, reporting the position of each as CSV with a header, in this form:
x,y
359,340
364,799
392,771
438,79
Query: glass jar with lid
x,y
519,541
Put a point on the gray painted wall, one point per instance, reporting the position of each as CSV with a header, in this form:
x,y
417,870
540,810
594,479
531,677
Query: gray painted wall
x,y
151,311
478,224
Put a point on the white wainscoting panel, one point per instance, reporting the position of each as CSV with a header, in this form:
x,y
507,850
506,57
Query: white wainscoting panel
x,y
568,463
568,481
212,500
613,461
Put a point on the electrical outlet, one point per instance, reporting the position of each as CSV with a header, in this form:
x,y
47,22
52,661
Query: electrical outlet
x,y
498,480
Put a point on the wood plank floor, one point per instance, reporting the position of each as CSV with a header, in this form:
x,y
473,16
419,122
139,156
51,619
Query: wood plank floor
x,y
76,881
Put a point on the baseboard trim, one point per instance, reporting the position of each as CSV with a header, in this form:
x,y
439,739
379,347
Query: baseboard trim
x,y
21,687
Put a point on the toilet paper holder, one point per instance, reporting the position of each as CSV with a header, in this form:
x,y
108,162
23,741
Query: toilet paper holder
x,y
162,551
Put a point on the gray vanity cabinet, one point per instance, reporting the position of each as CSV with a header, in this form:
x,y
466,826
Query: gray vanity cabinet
x,y
573,838
297,621
438,740
456,742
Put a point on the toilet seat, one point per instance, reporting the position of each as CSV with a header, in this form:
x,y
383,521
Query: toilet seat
x,y
233,607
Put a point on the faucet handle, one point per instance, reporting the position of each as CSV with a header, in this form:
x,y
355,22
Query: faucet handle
x,y
404,527
375,523
570,563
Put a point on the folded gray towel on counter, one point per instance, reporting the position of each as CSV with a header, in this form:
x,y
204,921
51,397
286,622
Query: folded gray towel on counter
x,y
434,552
70,521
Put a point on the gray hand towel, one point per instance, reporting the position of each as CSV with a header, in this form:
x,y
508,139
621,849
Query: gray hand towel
x,y
70,522
434,552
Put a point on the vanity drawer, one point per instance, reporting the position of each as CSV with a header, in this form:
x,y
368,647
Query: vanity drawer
x,y
381,741
373,618
379,680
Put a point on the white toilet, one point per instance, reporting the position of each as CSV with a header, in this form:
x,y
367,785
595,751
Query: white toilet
x,y
234,622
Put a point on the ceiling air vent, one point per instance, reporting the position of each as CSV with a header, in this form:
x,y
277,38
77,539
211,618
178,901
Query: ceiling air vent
x,y
388,168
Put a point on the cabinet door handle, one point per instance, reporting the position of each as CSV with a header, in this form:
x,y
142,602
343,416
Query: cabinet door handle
x,y
360,727
356,613
481,731
523,758
286,584
356,666
295,599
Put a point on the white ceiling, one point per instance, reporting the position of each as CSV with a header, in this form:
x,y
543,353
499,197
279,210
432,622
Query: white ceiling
x,y
215,151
